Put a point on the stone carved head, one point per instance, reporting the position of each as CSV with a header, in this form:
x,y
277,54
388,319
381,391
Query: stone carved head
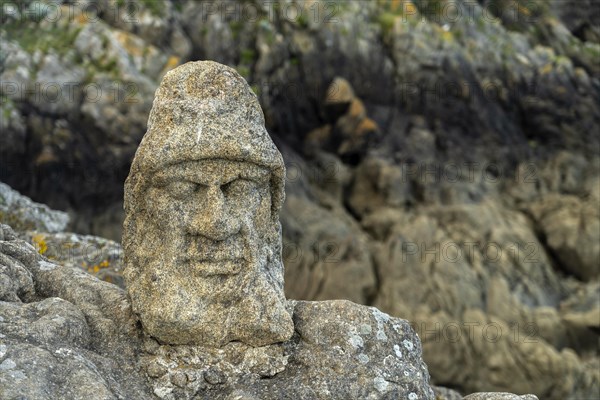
x,y
202,237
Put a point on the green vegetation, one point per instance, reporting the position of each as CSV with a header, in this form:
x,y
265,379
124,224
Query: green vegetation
x,y
31,36
247,56
302,21
156,7
236,28
386,22
266,29
592,50
7,106
390,11
243,71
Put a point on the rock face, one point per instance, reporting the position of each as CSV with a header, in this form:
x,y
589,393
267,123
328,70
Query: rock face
x,y
474,206
499,396
63,333
202,238
66,334
340,350
22,213
209,296
100,257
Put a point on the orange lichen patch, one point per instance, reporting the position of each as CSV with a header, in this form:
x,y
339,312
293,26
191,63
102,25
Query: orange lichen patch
x,y
410,8
82,18
357,109
94,269
523,10
130,43
171,63
319,136
39,241
365,127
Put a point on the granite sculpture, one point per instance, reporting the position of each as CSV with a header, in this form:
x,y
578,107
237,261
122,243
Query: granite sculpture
x,y
202,237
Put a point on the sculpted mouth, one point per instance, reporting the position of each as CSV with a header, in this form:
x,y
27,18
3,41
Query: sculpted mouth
x,y
206,257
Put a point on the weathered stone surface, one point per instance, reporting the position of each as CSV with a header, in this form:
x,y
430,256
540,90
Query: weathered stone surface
x,y
340,350
325,253
202,237
442,393
24,214
512,292
75,338
16,282
499,396
100,257
81,339
571,228
350,132
515,89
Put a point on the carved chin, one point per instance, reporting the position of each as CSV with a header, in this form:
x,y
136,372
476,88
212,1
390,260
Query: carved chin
x,y
215,310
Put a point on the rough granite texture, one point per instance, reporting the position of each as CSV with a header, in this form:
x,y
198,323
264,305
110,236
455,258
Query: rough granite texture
x,y
499,396
510,85
206,317
202,237
24,214
69,335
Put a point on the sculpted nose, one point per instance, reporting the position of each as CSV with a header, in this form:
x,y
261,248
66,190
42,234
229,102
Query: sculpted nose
x,y
214,219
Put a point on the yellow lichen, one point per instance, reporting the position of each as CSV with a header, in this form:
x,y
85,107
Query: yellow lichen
x,y
546,69
523,10
94,269
172,62
40,243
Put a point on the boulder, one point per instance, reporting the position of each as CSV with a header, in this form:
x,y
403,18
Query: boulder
x,y
25,214
78,338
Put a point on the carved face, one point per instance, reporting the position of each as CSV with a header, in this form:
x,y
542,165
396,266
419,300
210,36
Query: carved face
x,y
219,211
201,236
216,275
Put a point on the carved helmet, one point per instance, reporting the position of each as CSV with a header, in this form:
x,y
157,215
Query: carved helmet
x,y
205,110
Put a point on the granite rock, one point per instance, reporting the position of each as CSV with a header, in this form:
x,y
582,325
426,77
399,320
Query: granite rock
x,y
202,237
499,396
24,214
493,91
100,257
73,336
340,350
78,337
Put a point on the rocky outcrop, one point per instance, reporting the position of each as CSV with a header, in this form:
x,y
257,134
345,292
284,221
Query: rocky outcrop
x,y
67,318
100,257
485,128
44,228
59,315
499,396
24,214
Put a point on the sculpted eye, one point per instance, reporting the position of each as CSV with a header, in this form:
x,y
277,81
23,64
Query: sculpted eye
x,y
238,187
181,189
